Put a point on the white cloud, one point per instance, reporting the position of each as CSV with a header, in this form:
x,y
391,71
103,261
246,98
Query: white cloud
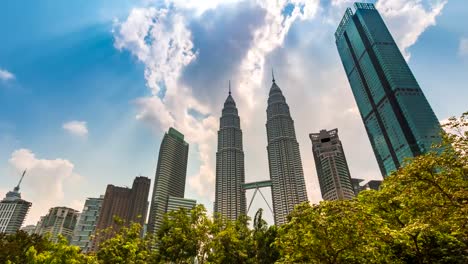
x,y
46,181
200,6
161,39
77,128
408,19
267,38
6,75
463,48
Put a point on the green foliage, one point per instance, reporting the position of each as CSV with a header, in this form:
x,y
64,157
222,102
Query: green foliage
x,y
128,247
182,236
418,216
263,239
58,253
13,247
231,241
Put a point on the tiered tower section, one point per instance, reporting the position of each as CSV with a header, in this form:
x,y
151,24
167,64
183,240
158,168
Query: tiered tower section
x,y
284,158
230,174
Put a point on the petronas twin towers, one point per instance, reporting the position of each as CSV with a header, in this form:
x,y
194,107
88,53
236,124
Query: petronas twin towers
x,y
286,174
230,172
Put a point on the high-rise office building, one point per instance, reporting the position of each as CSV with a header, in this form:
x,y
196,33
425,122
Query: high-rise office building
x,y
84,229
176,203
284,159
370,185
399,121
230,173
13,210
29,229
356,185
59,221
130,205
171,173
332,168
373,185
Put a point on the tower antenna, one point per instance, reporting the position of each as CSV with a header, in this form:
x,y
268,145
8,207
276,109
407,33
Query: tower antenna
x,y
229,87
272,75
22,176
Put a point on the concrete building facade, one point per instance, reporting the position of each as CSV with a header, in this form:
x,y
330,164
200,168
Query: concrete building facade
x,y
86,226
176,203
130,205
331,165
13,210
59,221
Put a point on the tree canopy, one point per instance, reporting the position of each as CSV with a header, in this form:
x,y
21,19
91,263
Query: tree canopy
x,y
420,215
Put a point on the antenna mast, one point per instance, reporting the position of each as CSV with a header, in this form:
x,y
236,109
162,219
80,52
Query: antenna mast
x,y
22,176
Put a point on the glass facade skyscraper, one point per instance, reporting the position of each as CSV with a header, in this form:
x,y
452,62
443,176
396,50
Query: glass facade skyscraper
x,y
171,173
399,121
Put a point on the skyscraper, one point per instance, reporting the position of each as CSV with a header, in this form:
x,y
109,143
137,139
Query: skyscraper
x,y
230,173
13,210
87,222
399,121
130,205
332,168
284,159
170,176
59,221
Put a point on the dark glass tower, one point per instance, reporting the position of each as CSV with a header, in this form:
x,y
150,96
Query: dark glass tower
x,y
399,121
284,159
170,176
230,173
332,168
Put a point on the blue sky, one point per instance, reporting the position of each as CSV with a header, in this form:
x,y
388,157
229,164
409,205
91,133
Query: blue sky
x,y
119,73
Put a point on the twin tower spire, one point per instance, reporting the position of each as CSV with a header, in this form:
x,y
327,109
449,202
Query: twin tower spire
x,y
286,174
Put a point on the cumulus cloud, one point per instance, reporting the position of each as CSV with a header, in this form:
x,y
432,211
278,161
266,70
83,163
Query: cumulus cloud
x,y
160,38
189,58
77,128
46,181
408,19
6,75
463,47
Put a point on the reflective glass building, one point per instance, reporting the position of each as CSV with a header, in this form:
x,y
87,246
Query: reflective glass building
x,y
399,121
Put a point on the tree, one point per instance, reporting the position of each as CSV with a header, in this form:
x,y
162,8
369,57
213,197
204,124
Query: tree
x,y
425,203
332,232
59,252
13,247
263,239
418,216
178,241
231,241
128,247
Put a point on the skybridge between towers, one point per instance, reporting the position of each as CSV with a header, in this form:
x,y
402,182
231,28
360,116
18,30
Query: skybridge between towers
x,y
257,186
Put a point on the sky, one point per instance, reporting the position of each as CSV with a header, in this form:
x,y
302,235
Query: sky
x,y
88,88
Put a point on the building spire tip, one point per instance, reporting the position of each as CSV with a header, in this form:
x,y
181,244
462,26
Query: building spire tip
x,y
229,87
272,75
